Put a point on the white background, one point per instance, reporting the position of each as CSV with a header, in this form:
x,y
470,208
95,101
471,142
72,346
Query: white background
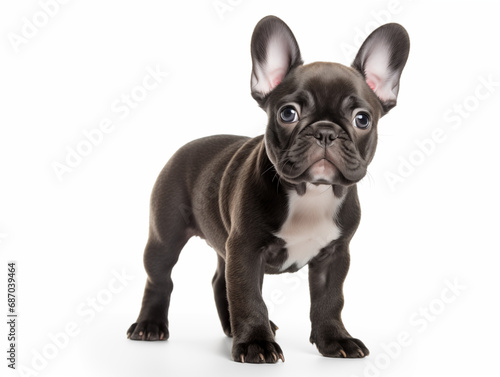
x,y
438,224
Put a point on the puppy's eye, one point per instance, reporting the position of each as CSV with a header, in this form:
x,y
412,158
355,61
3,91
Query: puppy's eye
x,y
289,115
362,120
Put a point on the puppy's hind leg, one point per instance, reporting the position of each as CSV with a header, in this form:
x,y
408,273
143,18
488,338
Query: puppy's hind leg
x,y
152,323
169,232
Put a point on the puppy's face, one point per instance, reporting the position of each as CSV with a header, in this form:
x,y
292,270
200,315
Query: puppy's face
x,y
323,117
322,125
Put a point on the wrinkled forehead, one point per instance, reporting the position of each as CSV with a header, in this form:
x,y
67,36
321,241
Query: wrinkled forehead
x,y
329,83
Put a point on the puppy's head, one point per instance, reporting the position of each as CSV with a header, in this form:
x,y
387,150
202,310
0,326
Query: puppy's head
x,y
323,117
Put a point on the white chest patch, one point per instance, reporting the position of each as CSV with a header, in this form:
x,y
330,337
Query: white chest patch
x,y
310,224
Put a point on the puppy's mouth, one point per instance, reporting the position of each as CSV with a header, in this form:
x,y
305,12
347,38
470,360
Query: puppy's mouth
x,y
324,171
337,164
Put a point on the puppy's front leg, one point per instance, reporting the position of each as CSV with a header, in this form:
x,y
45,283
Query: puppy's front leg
x,y
326,278
253,338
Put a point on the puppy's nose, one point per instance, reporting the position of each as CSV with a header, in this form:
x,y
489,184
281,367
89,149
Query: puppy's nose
x,y
325,136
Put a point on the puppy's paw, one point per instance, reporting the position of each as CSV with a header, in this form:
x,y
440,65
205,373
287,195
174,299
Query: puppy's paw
x,y
257,351
342,347
148,330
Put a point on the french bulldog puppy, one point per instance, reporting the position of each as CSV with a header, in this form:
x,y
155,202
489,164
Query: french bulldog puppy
x,y
280,201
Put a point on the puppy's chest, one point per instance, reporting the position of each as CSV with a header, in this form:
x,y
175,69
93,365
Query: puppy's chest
x,y
310,225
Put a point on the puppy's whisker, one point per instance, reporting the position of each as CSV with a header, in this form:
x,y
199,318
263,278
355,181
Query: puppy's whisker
x,y
269,168
371,180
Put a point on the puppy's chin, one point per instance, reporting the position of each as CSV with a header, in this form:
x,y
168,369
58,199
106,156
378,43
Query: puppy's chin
x,y
323,172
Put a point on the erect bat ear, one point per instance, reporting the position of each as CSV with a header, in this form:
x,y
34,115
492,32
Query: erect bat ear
x,y
381,60
275,53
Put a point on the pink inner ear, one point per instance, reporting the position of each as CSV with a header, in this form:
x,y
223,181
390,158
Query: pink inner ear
x,y
270,73
371,84
378,75
276,82
275,77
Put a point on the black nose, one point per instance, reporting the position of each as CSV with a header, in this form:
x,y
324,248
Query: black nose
x,y
325,136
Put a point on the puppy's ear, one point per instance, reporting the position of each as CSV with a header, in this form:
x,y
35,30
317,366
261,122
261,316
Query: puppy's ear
x,y
381,60
274,53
